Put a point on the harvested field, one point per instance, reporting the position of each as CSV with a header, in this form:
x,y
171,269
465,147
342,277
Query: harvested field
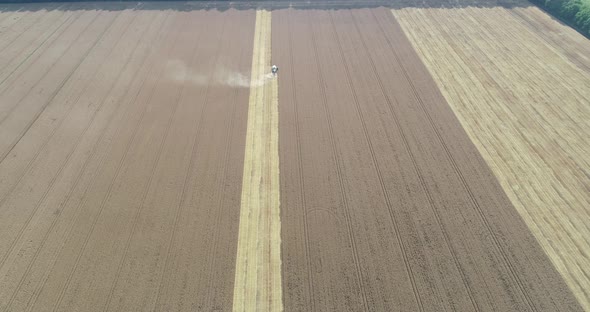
x,y
150,162
394,208
520,84
122,157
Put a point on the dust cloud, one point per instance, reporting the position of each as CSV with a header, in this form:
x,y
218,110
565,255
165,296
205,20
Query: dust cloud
x,y
178,71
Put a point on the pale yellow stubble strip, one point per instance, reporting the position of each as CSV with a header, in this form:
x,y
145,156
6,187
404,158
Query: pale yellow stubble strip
x,y
257,284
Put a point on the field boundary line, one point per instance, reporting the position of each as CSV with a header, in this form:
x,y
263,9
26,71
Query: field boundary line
x,y
258,285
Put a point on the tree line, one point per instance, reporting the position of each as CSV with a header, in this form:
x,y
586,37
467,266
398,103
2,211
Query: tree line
x,y
574,12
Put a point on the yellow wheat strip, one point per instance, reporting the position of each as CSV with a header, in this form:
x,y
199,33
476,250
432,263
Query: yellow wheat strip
x,y
258,264
524,105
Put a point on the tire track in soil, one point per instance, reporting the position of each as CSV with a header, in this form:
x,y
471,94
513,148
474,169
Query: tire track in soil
x,y
521,120
8,138
3,158
56,91
540,176
194,147
376,165
194,64
3,201
463,182
497,244
492,197
335,281
110,194
58,35
244,53
59,171
20,35
339,172
188,264
144,197
301,182
59,174
117,168
14,19
482,275
415,166
78,178
11,166
101,160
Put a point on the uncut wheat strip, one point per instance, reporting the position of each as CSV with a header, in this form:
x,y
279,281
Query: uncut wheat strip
x,y
539,187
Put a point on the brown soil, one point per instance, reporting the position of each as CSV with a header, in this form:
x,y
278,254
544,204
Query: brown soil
x,y
386,203
121,159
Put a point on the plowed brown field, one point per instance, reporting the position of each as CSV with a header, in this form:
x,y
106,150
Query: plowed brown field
x,y
149,162
121,159
386,203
